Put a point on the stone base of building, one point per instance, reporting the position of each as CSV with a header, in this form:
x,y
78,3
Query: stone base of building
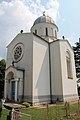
x,y
38,100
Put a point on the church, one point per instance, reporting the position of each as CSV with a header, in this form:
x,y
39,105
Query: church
x,y
40,67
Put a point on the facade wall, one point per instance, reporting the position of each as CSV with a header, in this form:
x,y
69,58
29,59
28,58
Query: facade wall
x,y
69,84
20,85
25,63
41,77
56,73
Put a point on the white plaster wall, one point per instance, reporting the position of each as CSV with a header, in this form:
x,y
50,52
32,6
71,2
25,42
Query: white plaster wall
x,y
26,62
20,74
41,78
56,75
20,87
20,82
69,85
9,58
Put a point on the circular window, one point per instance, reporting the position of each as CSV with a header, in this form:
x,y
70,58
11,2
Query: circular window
x,y
18,52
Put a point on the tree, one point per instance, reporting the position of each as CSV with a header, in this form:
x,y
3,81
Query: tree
x,y
2,76
77,59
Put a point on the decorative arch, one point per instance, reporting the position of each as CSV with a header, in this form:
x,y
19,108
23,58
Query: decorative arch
x,y
10,75
69,65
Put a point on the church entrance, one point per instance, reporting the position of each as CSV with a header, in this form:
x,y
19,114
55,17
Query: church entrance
x,y
13,90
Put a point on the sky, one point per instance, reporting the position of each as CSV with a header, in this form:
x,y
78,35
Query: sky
x,y
16,15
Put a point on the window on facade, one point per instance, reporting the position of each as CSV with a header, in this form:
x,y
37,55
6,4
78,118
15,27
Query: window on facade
x,y
69,67
36,32
46,31
55,34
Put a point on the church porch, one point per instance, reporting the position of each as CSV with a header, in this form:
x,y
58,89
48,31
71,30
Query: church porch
x,y
13,89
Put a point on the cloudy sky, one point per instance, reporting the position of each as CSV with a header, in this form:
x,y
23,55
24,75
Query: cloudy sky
x,y
20,14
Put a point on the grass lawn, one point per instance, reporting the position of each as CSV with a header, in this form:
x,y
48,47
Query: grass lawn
x,y
4,114
54,113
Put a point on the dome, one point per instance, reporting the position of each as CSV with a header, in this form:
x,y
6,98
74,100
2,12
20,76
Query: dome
x,y
44,19
45,27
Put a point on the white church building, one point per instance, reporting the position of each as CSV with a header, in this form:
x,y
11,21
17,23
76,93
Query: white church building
x,y
40,67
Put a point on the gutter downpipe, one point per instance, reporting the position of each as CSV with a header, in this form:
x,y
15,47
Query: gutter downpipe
x,y
23,85
50,73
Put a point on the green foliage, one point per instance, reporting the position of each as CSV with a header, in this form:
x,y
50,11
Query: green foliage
x,y
0,106
77,58
2,76
2,69
26,104
4,114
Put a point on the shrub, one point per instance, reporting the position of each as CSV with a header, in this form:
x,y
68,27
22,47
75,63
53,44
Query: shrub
x,y
26,104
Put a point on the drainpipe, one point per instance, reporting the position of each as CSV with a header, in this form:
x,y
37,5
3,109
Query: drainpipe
x,y
50,73
23,85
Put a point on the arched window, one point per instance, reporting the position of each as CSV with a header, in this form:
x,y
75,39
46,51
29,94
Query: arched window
x,y
55,34
35,31
69,66
46,31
